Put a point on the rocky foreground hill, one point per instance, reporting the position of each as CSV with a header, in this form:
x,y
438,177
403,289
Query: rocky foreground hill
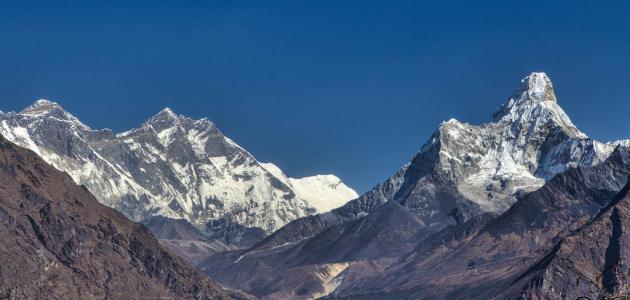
x,y
59,242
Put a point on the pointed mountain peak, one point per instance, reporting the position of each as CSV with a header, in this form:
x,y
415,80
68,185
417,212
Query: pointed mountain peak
x,y
537,86
165,118
45,102
533,104
41,106
46,108
533,90
165,113
168,117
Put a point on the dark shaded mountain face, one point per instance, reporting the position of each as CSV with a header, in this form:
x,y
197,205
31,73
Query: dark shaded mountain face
x,y
281,271
173,229
590,262
473,208
233,233
58,242
185,239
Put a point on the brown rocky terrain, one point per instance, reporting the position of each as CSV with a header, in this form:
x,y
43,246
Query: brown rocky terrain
x,y
58,242
590,262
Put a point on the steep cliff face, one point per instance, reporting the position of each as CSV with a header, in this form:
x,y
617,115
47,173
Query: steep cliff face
x,y
173,166
59,242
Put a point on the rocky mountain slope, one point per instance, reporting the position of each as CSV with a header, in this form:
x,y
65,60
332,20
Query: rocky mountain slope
x,y
463,177
184,239
173,166
590,262
507,256
59,242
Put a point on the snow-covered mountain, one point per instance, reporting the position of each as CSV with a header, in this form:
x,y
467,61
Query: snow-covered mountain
x,y
172,166
530,141
464,170
623,143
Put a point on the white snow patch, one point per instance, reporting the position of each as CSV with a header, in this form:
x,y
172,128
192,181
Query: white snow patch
x,y
323,192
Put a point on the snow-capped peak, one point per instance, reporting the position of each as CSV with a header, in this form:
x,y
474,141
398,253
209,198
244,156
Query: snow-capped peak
x,y
163,115
167,111
534,105
41,106
165,119
530,140
324,192
49,109
538,87
42,102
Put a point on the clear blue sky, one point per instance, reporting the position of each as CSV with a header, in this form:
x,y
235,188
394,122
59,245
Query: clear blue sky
x,y
346,87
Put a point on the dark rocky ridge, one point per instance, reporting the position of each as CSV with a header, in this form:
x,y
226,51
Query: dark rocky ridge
x,y
285,269
58,242
590,262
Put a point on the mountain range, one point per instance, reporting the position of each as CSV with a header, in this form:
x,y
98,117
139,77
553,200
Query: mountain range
x,y
176,167
525,206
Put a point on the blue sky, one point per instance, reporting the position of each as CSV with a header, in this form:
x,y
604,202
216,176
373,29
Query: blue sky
x,y
352,88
